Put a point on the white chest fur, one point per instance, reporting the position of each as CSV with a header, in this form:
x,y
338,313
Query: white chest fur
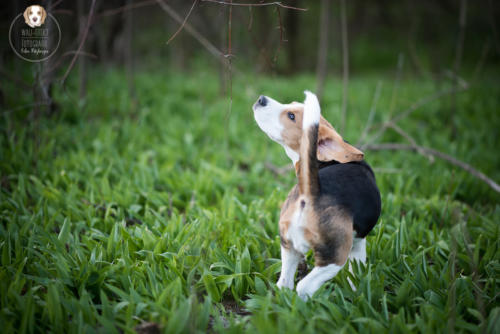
x,y
295,233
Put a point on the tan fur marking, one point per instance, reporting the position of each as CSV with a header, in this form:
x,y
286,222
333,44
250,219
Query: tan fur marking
x,y
339,227
333,148
286,214
292,131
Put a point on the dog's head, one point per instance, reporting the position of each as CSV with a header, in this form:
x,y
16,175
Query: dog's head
x,y
34,16
283,124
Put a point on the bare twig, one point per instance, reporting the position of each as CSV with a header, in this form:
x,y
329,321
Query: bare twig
x,y
261,4
121,9
281,35
193,32
230,67
56,65
397,80
345,66
84,37
412,108
403,147
410,139
183,22
372,112
54,5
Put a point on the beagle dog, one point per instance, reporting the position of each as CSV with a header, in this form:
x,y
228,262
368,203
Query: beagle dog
x,y
34,16
336,202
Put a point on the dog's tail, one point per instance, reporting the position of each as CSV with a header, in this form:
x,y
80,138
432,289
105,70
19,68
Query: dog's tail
x,y
308,165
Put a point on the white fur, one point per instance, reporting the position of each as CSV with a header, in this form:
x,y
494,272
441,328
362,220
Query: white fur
x,y
294,156
35,18
358,253
268,119
295,233
312,110
313,281
289,261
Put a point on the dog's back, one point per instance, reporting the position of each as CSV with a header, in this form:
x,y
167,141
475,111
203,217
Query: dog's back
x,y
351,186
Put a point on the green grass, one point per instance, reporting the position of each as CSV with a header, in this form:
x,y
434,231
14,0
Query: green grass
x,y
166,213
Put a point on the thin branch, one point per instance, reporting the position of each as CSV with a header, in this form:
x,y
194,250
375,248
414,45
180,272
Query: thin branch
x,y
345,66
124,8
410,139
468,168
376,96
281,36
184,22
55,66
84,37
397,80
412,108
54,5
230,67
276,3
193,32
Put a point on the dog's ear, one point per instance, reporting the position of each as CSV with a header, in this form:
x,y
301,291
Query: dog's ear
x,y
44,15
331,146
26,18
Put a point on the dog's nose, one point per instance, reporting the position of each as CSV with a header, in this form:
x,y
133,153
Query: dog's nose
x,y
34,19
262,101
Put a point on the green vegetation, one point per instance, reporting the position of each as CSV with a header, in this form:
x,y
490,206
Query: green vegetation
x,y
113,215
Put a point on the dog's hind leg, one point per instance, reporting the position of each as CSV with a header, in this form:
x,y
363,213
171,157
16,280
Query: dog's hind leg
x,y
358,253
330,258
290,259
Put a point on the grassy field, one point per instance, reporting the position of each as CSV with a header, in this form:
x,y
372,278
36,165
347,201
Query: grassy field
x,y
164,214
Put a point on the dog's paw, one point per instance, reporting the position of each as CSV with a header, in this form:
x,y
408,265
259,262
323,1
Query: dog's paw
x,y
283,284
304,291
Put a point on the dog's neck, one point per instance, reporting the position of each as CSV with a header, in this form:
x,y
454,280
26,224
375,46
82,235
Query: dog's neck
x,y
294,156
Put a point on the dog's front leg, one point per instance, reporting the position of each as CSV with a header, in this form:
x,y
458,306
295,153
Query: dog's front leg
x,y
290,259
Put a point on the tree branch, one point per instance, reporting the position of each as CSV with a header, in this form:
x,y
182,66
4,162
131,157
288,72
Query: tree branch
x,y
193,32
468,168
184,22
276,3
84,37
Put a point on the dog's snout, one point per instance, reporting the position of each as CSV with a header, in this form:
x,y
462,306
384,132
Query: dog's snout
x,y
262,101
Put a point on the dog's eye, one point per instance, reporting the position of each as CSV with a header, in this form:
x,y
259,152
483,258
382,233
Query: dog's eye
x,y
38,12
291,115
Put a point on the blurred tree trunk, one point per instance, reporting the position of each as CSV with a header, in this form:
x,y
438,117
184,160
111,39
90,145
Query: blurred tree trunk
x,y
456,67
129,55
321,66
82,60
43,78
292,24
345,63
222,67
